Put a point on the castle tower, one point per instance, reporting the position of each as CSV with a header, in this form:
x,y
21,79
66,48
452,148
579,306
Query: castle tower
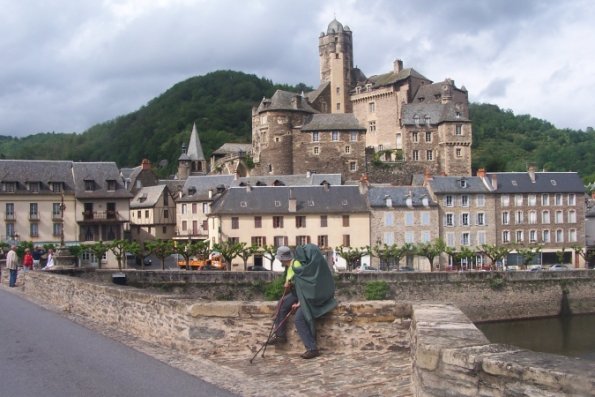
x,y
336,64
192,161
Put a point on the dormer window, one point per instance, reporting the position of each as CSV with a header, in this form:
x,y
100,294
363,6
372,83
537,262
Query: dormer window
x,y
553,182
56,187
111,185
143,197
9,187
427,119
463,183
33,187
89,185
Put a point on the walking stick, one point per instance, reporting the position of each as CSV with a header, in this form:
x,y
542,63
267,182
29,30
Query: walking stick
x,y
265,344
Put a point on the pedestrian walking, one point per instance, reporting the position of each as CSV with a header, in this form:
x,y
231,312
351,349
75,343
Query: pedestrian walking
x,y
12,265
27,260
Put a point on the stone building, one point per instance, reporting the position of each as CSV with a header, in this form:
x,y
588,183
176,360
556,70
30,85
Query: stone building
x,y
152,214
192,160
402,115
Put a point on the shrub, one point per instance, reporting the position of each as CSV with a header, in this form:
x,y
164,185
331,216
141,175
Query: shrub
x,y
376,290
274,290
497,282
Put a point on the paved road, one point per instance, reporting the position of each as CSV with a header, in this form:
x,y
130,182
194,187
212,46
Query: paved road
x,y
44,354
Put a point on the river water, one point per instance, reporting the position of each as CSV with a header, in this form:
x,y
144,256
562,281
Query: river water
x,y
569,336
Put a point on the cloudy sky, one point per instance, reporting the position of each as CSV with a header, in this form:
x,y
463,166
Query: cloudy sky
x,y
68,64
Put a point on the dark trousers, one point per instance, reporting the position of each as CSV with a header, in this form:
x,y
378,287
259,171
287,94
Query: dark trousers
x,y
13,278
280,325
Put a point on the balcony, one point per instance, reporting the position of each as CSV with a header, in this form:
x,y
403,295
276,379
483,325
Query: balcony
x,y
102,217
33,217
9,216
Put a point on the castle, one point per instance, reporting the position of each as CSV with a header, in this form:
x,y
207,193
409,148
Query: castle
x,y
397,117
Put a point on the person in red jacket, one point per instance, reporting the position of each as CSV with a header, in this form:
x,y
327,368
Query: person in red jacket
x,y
27,260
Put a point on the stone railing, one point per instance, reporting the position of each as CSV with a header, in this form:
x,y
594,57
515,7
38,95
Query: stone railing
x,y
450,356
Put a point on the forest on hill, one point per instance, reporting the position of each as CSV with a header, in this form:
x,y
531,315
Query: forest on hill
x,y
220,104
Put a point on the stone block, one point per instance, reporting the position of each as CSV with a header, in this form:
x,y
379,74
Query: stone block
x,y
214,309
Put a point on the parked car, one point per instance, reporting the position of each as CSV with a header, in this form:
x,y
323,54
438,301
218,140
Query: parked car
x,y
257,269
406,269
365,269
558,267
136,260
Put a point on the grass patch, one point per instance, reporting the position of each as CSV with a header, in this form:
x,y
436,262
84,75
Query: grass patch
x,y
376,290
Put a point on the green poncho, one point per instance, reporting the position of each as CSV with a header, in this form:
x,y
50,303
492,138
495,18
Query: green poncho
x,y
314,284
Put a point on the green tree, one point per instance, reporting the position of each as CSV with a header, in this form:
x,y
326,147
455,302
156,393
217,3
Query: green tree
x,y
161,249
352,255
76,250
495,252
431,250
98,249
268,251
228,250
245,252
119,249
528,254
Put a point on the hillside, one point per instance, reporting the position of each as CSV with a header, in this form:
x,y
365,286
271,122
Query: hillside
x,y
220,103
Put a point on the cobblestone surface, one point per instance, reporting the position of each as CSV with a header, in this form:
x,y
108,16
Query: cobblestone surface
x,y
278,373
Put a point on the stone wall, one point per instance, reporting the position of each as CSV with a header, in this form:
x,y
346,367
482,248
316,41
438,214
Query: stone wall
x,y
451,357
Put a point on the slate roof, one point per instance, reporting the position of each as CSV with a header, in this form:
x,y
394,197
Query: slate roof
x,y
391,78
100,173
453,184
545,182
194,147
313,95
437,112
234,148
334,122
275,200
201,185
377,196
283,100
43,171
148,196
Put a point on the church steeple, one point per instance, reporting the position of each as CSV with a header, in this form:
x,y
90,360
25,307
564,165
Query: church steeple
x,y
192,160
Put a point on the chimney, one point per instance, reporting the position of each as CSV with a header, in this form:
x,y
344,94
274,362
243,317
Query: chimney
x,y
494,182
296,102
292,202
531,170
388,201
481,172
145,165
398,65
210,194
363,184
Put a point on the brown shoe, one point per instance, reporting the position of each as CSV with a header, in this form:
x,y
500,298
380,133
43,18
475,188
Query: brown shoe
x,y
277,340
310,354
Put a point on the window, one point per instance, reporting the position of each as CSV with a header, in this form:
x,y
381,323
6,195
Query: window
x,y
166,199
184,209
429,155
166,214
371,126
519,236
316,150
235,222
33,214
146,214
409,237
56,187
56,211
465,219
205,225
257,222
481,238
545,199
57,229
459,129
464,201
448,200
558,199
89,185
450,239
315,136
465,239
415,155
388,218
532,236
449,219
546,236
481,219
335,136
572,235
389,238
505,218
518,200
409,218
346,240
505,200
205,208
323,241
545,217
233,240
519,218
277,222
184,226
323,221
347,149
34,230
559,236
459,152
532,217
559,217
259,241
532,200
425,218
111,186
572,216
371,107
353,136
506,236
345,220
301,240
34,187
300,221
338,105
428,136
572,199
425,237
9,187
194,208
352,166
414,137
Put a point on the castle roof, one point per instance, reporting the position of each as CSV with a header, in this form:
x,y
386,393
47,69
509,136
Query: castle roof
x,y
194,147
336,27
432,113
333,121
233,148
285,100
391,78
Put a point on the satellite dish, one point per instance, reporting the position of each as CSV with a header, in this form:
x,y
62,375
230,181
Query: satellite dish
x,y
163,163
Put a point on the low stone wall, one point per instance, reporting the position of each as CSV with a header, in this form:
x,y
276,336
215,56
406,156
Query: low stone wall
x,y
451,357
206,327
